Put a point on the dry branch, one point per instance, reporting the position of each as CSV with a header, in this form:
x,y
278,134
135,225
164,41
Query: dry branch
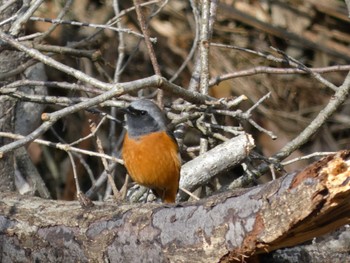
x,y
225,227
200,170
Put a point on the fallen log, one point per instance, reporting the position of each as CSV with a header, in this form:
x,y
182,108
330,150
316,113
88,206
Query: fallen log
x,y
228,227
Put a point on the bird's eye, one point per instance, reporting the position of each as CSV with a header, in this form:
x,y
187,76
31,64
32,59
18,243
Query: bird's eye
x,y
136,112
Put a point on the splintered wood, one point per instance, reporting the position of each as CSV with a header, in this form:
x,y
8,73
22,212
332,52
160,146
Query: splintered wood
x,y
316,202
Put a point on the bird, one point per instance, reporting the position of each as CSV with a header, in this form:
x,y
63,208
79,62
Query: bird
x,y
150,152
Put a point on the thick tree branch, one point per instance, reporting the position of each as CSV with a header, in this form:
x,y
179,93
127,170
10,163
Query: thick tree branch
x,y
230,226
200,170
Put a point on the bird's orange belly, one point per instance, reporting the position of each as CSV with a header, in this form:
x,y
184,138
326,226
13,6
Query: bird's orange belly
x,y
153,161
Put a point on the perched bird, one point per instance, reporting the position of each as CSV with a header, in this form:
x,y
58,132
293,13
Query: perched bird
x,y
150,152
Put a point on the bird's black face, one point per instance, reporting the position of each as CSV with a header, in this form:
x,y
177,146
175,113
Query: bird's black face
x,y
135,112
140,122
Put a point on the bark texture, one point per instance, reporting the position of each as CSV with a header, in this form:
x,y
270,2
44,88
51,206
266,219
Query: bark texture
x,y
9,60
227,227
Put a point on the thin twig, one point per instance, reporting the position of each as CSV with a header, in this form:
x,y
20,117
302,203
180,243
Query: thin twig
x,y
93,128
93,55
6,5
51,62
92,134
51,84
121,45
194,45
306,157
76,23
23,18
204,47
250,51
116,79
8,20
204,62
271,70
60,16
77,155
99,182
266,96
189,193
259,128
61,146
149,46
16,71
145,33
74,168
295,63
83,200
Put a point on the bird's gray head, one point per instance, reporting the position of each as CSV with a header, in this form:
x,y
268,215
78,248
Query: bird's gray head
x,y
144,117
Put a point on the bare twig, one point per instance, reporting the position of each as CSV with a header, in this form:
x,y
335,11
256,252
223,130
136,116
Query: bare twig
x,y
204,47
205,34
249,111
6,5
286,59
117,73
51,84
93,128
51,62
189,193
247,115
194,45
74,168
8,20
121,45
306,157
16,71
271,70
23,17
76,23
295,63
99,182
62,13
61,146
128,10
90,54
92,134
259,128
83,200
149,46
250,51
77,155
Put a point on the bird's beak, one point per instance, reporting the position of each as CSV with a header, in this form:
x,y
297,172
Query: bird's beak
x,y
125,110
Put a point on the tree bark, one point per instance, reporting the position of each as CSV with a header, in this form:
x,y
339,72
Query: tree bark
x,y
227,227
9,60
333,247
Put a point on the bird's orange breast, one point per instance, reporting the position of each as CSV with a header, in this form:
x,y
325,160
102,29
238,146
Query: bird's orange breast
x,y
153,160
